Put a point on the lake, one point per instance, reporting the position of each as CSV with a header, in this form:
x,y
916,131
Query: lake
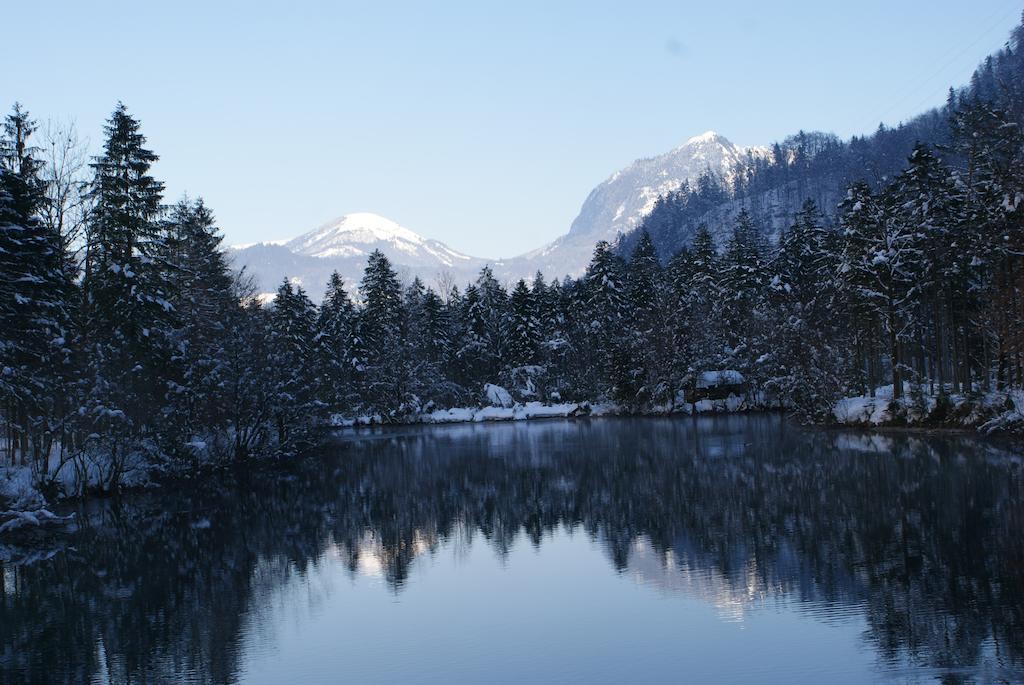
x,y
736,549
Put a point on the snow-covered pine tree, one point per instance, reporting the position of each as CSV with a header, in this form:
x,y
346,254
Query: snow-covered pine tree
x,y
35,305
419,374
438,323
803,266
336,328
126,314
606,310
470,348
988,144
806,364
698,328
556,349
293,367
744,284
380,335
492,320
582,372
522,369
523,327
645,295
880,256
925,204
482,331
860,216
200,287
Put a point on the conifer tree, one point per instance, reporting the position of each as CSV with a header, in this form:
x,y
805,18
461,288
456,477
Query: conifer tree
x,y
879,268
645,297
127,316
200,289
293,368
605,294
35,303
380,334
925,207
420,374
524,328
802,365
698,331
336,328
744,283
439,334
860,216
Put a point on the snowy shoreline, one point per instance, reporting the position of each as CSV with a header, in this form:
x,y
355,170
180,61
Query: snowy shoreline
x,y
527,411
981,412
25,513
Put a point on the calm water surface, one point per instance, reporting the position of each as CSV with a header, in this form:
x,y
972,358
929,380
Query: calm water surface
x,y
741,549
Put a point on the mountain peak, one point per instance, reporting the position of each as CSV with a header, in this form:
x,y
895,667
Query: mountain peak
x,y
338,236
620,204
706,137
343,244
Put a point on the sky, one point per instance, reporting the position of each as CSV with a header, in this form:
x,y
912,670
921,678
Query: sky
x,y
481,124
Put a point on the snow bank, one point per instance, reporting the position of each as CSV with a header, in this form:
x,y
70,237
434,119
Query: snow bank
x,y
516,412
1009,416
22,505
715,379
498,396
986,411
855,410
501,406
731,404
457,415
14,519
17,490
524,411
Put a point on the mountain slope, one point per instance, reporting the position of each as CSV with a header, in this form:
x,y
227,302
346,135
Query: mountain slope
x,y
361,233
343,245
616,206
621,203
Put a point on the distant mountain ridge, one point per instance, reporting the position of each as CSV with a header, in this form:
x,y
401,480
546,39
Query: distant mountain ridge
x,y
342,245
360,233
616,206
619,204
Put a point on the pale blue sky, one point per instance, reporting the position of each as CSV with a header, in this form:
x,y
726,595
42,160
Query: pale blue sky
x,y
482,124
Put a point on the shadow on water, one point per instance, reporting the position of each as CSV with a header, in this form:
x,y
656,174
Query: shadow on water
x,y
920,536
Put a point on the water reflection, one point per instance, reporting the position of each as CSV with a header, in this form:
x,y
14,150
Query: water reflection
x,y
918,539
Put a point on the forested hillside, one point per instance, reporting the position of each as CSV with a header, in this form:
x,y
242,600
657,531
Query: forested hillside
x,y
821,167
129,347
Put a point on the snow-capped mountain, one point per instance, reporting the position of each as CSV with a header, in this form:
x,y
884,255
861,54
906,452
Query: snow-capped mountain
x,y
620,203
359,234
343,245
616,206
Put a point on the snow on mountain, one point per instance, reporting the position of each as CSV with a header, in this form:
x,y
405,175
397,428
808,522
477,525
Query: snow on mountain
x,y
616,206
363,232
343,245
620,203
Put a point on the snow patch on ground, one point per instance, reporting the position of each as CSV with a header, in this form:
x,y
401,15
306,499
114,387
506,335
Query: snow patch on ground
x,y
714,379
17,491
501,406
498,396
987,411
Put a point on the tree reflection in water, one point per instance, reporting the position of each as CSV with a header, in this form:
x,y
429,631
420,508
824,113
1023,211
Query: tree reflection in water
x,y
921,535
